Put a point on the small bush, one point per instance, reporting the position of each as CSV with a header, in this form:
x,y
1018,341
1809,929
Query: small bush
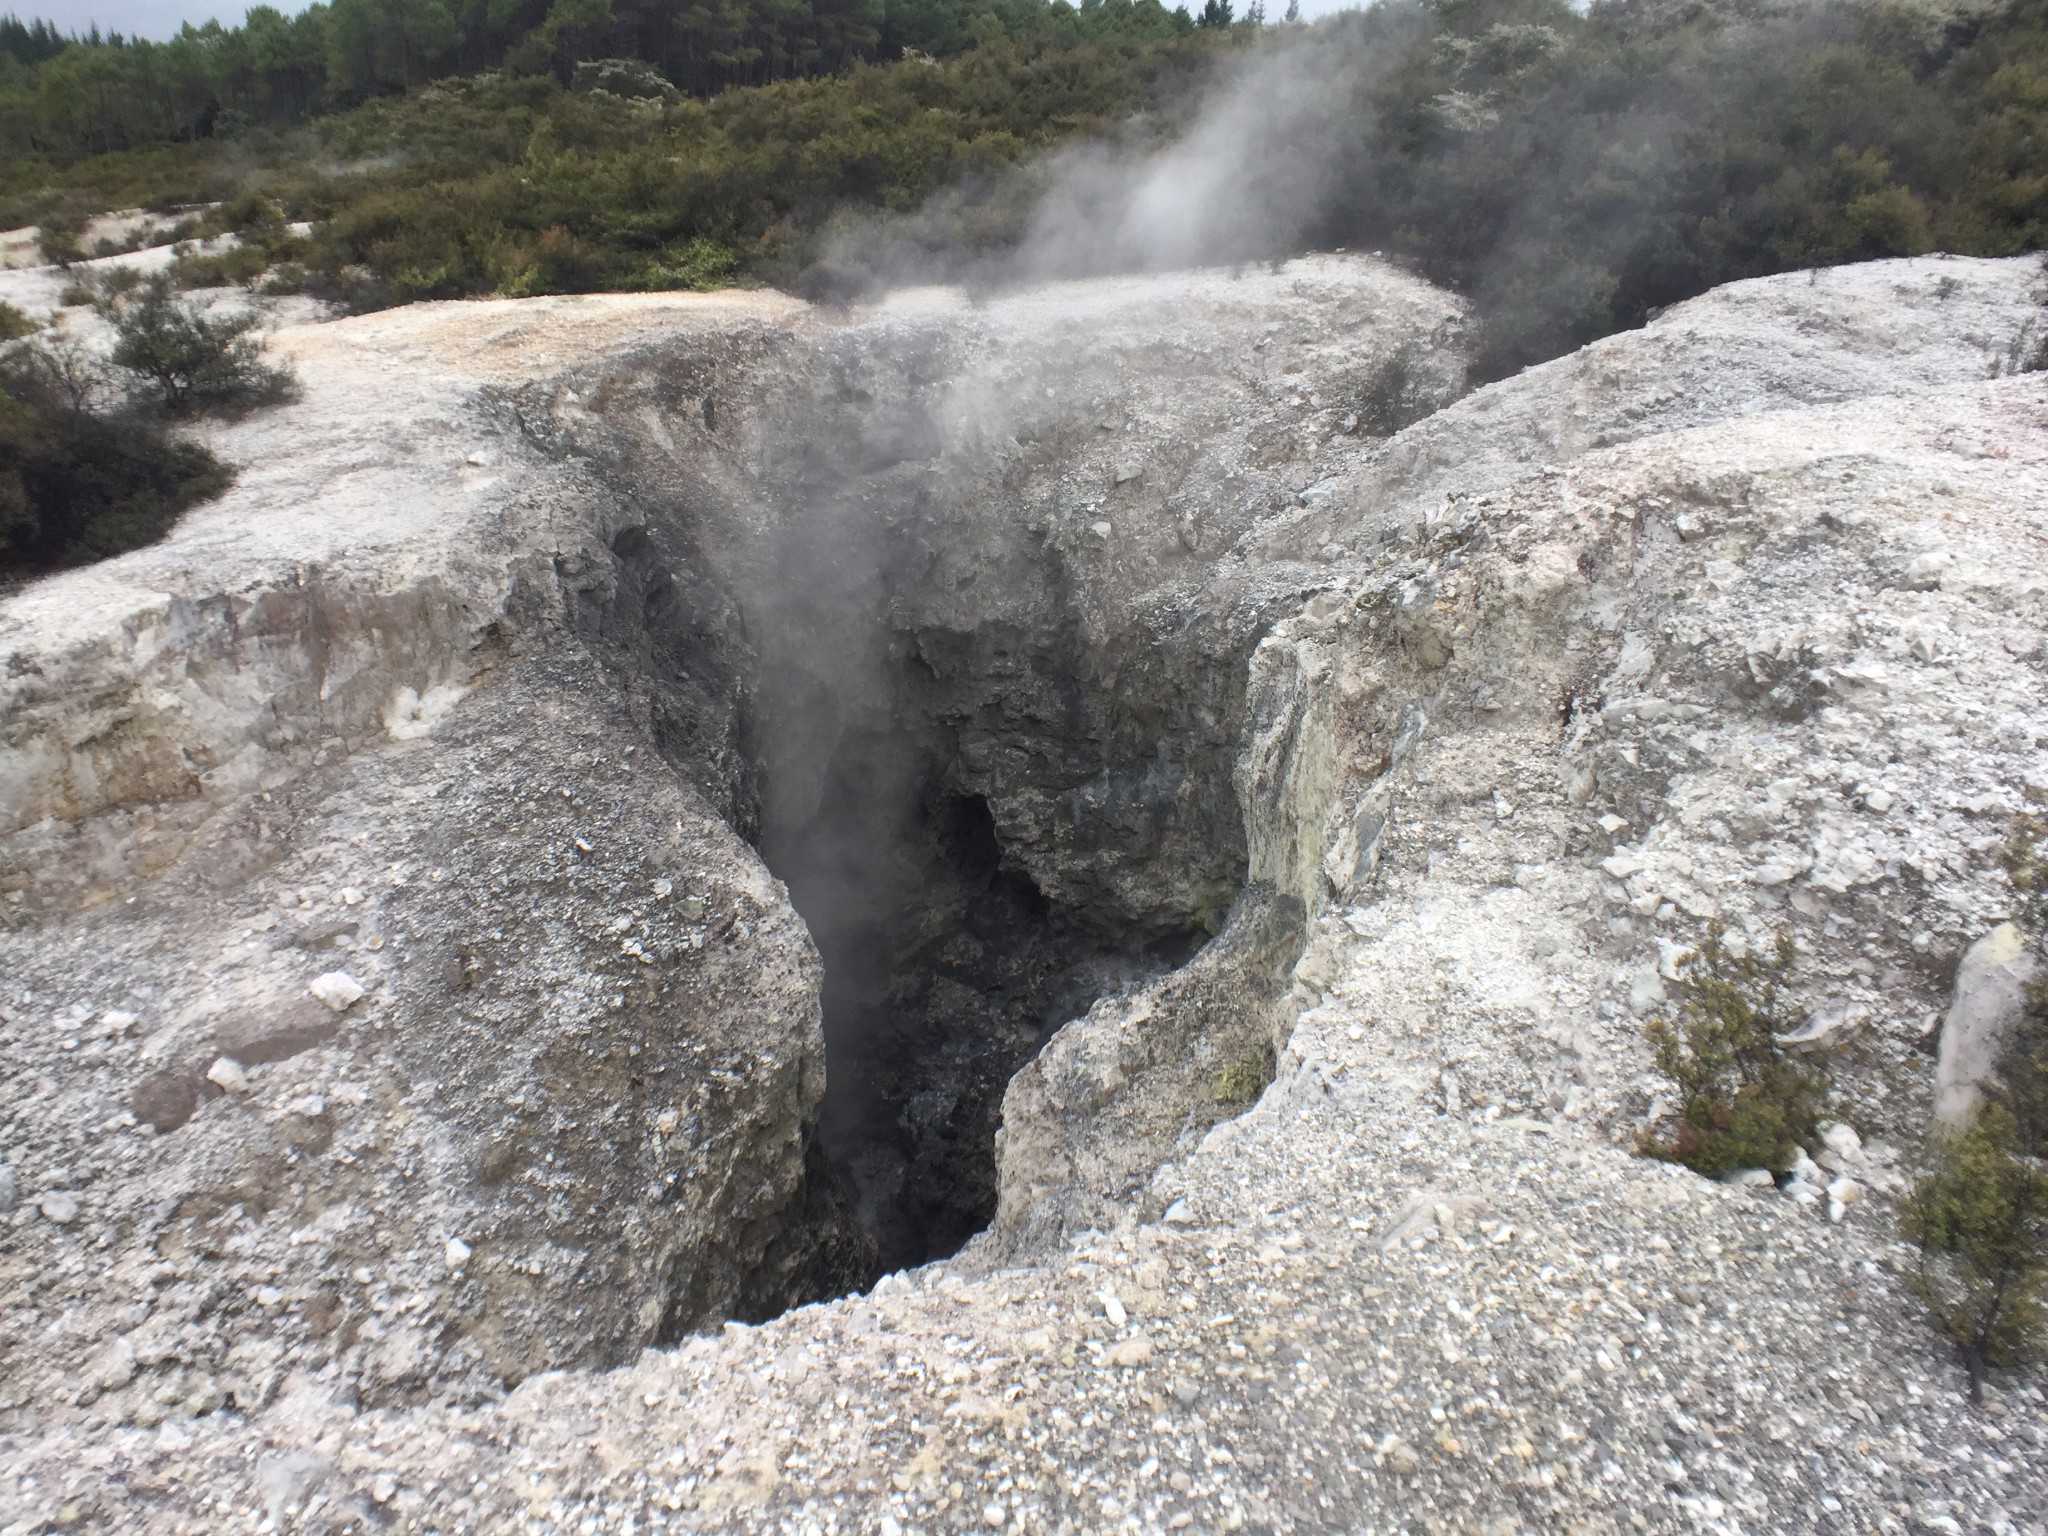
x,y
1246,1077
13,323
237,266
57,239
78,485
96,285
1980,1217
1980,1212
117,282
283,280
353,290
60,371
190,360
700,265
1744,1101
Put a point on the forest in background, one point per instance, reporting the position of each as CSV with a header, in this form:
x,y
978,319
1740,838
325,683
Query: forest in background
x,y
64,96
1568,171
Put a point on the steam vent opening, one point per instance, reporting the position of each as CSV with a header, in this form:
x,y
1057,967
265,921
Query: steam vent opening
x,y
946,967
986,820
951,613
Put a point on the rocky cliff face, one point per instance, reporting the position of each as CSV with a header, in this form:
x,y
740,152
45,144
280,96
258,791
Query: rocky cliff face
x,y
1034,645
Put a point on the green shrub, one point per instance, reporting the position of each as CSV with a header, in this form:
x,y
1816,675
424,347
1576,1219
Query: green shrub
x,y
287,277
1980,1217
1743,1100
13,323
700,264
1246,1077
191,360
59,370
237,266
57,239
77,485
96,285
1979,1213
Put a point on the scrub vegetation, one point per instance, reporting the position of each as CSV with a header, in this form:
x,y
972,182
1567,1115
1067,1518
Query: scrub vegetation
x,y
1570,173
1744,1101
88,467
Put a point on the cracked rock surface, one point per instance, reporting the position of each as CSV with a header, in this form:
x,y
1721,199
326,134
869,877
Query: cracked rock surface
x,y
1736,619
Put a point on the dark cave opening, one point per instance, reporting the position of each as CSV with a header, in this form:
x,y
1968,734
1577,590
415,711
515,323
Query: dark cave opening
x,y
946,969
872,763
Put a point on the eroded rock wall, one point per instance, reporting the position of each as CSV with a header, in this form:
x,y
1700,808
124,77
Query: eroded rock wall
x,y
341,725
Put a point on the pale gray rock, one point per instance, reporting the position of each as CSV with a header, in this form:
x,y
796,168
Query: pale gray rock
x,y
228,1075
1827,1027
337,989
285,1481
1988,1003
114,1367
60,1207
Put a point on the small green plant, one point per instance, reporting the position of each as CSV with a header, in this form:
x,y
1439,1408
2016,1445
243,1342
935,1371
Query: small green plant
x,y
57,238
1744,1101
237,266
117,282
1980,1217
1979,1213
1246,1077
2026,867
80,480
13,323
287,277
700,264
192,360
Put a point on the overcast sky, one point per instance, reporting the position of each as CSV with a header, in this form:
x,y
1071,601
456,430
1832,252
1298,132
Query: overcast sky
x,y
160,18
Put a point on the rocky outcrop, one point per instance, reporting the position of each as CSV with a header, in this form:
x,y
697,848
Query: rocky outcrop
x,y
331,728
1733,620
1989,1005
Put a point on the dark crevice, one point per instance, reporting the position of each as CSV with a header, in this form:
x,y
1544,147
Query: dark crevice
x,y
868,764
946,968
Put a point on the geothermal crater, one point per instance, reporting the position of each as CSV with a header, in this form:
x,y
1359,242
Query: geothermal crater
x,y
866,756
949,613
797,792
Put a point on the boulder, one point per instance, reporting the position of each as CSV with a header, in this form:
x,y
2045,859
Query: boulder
x,y
1989,1001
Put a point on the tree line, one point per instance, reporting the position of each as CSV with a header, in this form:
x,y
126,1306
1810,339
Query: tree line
x,y
73,95
1569,171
